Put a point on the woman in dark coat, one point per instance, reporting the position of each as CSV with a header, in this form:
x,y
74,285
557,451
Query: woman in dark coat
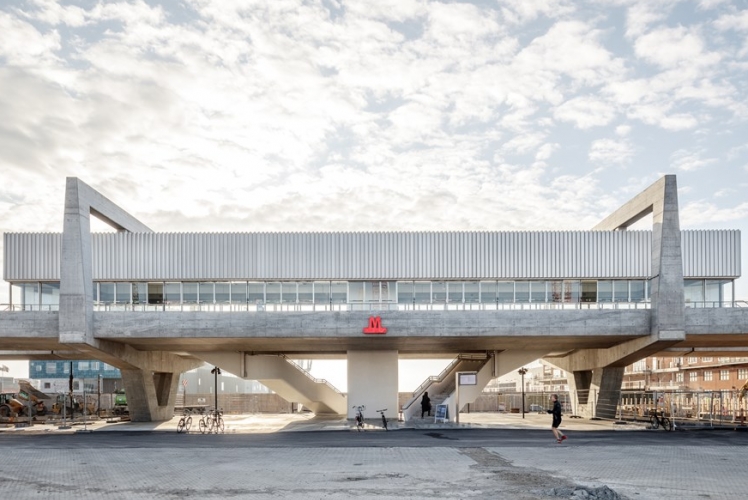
x,y
425,404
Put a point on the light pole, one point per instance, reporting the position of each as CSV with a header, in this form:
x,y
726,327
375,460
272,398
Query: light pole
x,y
216,372
522,372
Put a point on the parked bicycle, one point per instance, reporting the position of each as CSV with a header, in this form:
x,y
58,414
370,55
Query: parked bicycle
x,y
212,422
359,416
656,421
384,419
185,422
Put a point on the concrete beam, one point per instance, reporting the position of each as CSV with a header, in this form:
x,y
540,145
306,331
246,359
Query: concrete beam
x,y
76,276
666,282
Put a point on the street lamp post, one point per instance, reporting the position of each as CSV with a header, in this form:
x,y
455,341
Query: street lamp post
x,y
216,372
522,372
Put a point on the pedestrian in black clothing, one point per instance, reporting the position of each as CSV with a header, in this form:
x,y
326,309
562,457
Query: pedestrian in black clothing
x,y
425,404
556,412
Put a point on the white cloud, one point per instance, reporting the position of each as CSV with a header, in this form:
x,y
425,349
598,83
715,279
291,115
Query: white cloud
x,y
609,152
623,130
586,112
672,47
521,12
686,161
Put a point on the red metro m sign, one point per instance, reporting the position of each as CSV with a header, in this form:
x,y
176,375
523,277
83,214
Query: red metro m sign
x,y
375,325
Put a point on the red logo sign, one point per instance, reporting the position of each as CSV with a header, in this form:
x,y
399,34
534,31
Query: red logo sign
x,y
375,325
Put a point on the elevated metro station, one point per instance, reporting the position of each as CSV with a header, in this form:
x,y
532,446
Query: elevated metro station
x,y
157,304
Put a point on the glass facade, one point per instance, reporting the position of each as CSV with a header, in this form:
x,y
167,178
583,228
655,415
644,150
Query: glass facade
x,y
398,294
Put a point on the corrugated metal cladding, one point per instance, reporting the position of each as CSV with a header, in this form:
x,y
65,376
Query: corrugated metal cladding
x,y
372,256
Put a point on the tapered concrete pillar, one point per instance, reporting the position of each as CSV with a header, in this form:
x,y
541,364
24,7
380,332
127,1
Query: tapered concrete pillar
x,y
595,393
150,396
150,378
373,382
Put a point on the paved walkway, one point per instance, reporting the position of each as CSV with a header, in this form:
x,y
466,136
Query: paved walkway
x,y
290,422
635,466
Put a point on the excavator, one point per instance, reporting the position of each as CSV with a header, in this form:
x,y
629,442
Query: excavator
x,y
17,404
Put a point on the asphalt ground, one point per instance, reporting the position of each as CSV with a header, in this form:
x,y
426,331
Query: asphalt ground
x,y
302,456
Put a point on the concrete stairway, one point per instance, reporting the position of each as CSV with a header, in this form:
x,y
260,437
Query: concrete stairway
x,y
441,388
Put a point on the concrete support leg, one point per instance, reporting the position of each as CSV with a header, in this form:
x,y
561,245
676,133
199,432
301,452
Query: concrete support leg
x,y
607,382
595,393
150,396
373,382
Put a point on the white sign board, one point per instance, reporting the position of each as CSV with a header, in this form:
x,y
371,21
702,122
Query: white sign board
x,y
468,378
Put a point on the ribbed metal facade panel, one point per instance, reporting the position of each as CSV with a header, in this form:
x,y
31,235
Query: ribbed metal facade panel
x,y
372,256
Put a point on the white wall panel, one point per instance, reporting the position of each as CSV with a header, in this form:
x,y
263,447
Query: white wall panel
x,y
372,256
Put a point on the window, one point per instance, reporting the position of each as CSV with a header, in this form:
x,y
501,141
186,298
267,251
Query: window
x,y
472,291
537,291
422,292
439,291
693,290
106,293
604,291
222,293
589,291
306,292
724,374
454,292
51,368
83,365
707,359
256,293
488,292
47,385
122,293
155,293
189,293
637,291
239,293
321,292
174,293
693,360
620,291
404,292
743,373
692,376
679,377
522,291
707,376
273,293
139,293
95,365
339,292
206,293
505,291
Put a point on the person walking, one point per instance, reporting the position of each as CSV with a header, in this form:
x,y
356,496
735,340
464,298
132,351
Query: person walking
x,y
556,412
425,404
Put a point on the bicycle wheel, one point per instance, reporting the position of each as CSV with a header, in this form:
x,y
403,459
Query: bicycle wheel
x,y
653,422
203,426
219,425
188,424
180,425
667,424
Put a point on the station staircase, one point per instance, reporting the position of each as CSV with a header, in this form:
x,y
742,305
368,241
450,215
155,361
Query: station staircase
x,y
441,388
291,382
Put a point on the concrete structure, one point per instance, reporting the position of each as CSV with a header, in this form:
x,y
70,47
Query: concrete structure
x,y
157,304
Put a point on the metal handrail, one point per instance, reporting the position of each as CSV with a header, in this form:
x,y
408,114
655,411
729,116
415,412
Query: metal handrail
x,y
438,378
310,376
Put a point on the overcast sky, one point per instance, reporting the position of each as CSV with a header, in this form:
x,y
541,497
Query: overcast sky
x,y
219,115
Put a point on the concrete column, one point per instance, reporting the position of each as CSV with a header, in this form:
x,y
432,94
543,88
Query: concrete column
x,y
595,393
76,280
666,285
606,383
150,396
373,382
